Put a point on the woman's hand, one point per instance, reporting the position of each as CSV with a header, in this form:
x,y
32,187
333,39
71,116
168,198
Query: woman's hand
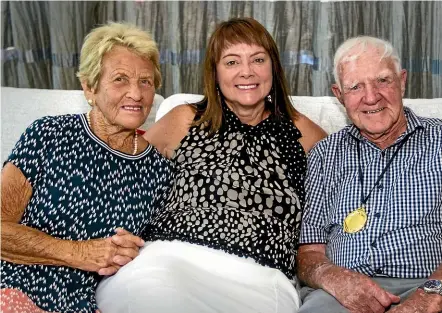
x,y
127,243
127,240
106,256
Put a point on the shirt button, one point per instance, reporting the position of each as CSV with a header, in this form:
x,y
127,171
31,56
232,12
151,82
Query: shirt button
x,y
383,153
379,271
377,214
373,244
380,186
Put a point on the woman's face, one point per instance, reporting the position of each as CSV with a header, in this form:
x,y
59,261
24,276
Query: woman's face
x,y
244,75
126,89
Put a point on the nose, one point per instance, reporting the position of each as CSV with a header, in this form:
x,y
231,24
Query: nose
x,y
246,70
134,92
371,94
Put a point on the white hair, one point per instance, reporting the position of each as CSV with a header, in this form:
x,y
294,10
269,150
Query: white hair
x,y
364,42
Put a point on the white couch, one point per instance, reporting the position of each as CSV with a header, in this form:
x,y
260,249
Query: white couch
x,y
325,111
21,106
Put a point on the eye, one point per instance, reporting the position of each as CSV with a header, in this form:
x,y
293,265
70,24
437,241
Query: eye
x,y
146,82
355,87
259,60
230,63
352,88
384,81
119,79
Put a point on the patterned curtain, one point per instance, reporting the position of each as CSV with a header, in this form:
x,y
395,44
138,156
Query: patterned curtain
x,y
41,40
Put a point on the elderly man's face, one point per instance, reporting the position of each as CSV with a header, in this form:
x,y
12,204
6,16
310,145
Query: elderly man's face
x,y
372,92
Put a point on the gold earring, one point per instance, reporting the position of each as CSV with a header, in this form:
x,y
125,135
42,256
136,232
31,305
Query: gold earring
x,y
90,101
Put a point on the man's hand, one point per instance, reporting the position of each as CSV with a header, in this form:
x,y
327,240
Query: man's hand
x,y
419,302
357,292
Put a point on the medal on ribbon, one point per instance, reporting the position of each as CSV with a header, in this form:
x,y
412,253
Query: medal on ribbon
x,y
355,220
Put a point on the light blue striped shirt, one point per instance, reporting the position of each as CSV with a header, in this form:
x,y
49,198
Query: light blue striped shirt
x,y
403,234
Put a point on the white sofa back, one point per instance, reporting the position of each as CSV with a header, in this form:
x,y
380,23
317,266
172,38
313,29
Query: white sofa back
x,y
325,111
21,106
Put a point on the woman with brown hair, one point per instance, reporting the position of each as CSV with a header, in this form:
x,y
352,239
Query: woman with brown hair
x,y
226,239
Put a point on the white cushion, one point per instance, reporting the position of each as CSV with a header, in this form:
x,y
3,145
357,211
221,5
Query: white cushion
x,y
175,100
21,106
327,112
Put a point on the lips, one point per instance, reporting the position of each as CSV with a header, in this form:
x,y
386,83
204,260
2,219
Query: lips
x,y
374,111
132,107
246,87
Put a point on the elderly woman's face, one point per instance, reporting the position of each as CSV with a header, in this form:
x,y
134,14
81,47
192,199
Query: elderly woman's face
x,y
244,75
126,88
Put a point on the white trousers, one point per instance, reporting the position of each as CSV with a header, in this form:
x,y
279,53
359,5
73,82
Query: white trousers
x,y
174,276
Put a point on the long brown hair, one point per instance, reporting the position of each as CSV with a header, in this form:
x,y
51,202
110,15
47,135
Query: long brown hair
x,y
234,31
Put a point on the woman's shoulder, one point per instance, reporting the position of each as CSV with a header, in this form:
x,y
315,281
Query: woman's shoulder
x,y
311,132
167,133
57,120
52,124
183,112
178,119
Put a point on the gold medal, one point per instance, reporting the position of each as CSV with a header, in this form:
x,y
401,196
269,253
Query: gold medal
x,y
355,220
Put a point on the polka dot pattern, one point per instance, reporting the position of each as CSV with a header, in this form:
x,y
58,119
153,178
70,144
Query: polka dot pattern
x,y
82,189
239,190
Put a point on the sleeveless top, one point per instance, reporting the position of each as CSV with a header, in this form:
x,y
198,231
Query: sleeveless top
x,y
240,190
82,189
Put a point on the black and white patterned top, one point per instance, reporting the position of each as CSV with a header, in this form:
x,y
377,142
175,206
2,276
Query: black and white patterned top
x,y
82,189
239,190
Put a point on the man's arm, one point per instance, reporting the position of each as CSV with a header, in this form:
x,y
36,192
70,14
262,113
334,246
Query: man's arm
x,y
355,291
420,301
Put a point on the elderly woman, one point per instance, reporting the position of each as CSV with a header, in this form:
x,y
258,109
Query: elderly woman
x,y
77,190
226,239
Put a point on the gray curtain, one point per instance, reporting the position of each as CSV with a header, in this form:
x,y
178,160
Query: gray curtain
x,y
41,40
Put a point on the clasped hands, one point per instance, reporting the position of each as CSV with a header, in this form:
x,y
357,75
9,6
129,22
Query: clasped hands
x,y
107,255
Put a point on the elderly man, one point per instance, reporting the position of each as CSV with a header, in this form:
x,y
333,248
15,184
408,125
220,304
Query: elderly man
x,y
371,238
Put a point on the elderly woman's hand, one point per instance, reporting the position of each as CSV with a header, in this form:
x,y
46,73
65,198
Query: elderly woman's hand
x,y
128,247
106,256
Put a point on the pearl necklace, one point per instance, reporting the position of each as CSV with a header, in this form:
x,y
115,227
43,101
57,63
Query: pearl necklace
x,y
88,118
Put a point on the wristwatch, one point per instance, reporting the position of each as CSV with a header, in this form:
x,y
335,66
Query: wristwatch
x,y
432,286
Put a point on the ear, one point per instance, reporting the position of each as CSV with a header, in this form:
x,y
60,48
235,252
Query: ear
x,y
89,92
403,80
337,92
